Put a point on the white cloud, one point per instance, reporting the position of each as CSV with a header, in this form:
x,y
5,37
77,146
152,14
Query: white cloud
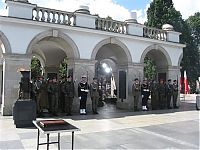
x,y
187,7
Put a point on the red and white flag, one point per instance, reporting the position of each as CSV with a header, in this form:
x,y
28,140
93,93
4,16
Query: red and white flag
x,y
186,87
181,83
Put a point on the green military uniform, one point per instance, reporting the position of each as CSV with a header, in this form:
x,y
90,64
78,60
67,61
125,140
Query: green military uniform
x,y
162,95
42,101
94,93
175,93
68,90
53,89
154,95
136,90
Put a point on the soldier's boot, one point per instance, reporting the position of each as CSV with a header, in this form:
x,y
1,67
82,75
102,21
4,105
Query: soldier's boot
x,y
81,111
84,112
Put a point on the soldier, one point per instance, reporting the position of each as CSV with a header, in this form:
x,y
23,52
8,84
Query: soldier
x,y
68,90
161,95
94,93
83,89
49,91
175,93
53,94
41,88
62,104
169,93
136,89
154,95
145,94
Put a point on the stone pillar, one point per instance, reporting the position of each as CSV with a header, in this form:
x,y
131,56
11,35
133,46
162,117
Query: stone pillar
x,y
84,18
12,64
172,36
134,70
81,67
17,8
133,27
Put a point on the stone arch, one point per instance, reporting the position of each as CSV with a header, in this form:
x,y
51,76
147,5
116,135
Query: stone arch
x,y
5,42
54,33
111,40
156,47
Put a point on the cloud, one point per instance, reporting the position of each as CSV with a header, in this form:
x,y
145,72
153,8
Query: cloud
x,y
187,7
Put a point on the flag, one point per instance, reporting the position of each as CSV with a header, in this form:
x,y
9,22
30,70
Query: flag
x,y
180,83
113,86
186,87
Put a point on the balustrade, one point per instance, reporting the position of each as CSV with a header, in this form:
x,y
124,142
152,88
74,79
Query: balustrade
x,y
111,25
53,16
153,33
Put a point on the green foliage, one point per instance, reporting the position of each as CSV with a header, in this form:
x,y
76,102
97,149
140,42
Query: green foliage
x,y
36,69
161,12
63,68
149,69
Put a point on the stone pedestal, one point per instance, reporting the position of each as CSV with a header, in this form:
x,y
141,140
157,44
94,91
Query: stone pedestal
x,y
12,64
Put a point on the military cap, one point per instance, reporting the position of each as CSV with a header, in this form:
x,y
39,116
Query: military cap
x,y
136,79
169,80
83,76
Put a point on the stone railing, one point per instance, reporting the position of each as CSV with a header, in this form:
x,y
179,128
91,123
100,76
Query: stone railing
x,y
53,16
154,33
111,25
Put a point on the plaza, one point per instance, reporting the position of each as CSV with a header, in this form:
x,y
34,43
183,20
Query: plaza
x,y
116,129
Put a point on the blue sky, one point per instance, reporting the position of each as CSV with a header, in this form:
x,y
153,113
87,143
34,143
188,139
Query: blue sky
x,y
117,9
133,4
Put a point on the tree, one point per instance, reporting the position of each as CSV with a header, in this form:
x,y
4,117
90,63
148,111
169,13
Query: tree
x,y
149,69
36,69
194,24
63,68
161,12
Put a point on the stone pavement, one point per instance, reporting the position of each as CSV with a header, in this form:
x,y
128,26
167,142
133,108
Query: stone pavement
x,y
116,129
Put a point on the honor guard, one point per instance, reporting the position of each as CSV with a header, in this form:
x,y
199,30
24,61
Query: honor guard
x,y
94,93
41,89
53,95
83,89
145,94
136,89
169,93
62,94
161,95
154,95
175,93
68,90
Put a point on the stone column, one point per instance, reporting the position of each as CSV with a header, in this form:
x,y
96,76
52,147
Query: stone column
x,y
133,70
12,64
81,67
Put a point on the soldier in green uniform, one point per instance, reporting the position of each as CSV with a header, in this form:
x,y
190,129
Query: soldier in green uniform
x,y
154,95
94,93
61,101
162,94
68,90
169,93
175,93
136,90
53,94
41,89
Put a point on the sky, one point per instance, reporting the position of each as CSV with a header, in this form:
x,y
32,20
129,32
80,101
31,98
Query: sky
x,y
117,9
